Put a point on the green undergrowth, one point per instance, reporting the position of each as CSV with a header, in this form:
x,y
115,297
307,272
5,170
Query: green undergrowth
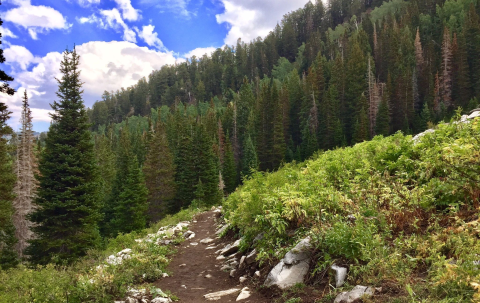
x,y
91,279
399,214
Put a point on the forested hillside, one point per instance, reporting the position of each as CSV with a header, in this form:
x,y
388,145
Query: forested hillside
x,y
326,76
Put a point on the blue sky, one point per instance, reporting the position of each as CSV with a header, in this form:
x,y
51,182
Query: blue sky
x,y
119,41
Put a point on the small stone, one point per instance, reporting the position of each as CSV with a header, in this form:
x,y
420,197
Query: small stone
x,y
208,276
340,275
242,259
211,247
192,235
161,300
230,249
207,241
234,263
182,265
242,279
244,294
257,274
194,243
232,273
222,229
131,300
220,258
165,275
213,208
219,294
356,293
226,267
251,257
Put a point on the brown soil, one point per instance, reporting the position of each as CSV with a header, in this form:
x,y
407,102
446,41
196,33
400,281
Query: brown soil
x,y
188,281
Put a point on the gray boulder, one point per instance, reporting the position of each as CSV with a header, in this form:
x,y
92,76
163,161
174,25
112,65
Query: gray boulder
x,y
356,293
340,275
293,268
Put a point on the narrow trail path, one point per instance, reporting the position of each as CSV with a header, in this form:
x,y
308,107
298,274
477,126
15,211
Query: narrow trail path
x,y
194,262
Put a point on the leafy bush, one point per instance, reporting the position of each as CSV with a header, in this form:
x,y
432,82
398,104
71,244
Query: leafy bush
x,y
392,208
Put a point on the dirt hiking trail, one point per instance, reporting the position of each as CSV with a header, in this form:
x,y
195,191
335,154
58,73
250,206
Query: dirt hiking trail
x,y
195,270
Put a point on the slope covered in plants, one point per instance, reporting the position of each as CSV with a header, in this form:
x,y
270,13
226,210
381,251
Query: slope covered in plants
x,y
400,213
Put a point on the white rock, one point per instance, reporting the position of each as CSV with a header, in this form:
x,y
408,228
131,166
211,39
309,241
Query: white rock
x,y
131,300
207,241
340,275
244,294
182,265
230,249
217,210
208,276
219,294
187,234
474,115
144,300
356,293
293,268
211,247
194,243
251,257
242,279
242,259
165,275
222,229
257,274
226,267
234,263
232,273
220,258
161,300
118,301
192,235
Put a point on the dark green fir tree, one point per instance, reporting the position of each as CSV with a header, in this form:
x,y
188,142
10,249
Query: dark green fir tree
x,y
67,203
382,125
8,256
229,168
250,159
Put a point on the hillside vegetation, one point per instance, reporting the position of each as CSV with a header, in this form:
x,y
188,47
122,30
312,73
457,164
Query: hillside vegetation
x,y
402,214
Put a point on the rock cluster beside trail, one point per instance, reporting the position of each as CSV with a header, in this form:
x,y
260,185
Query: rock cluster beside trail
x,y
140,296
464,119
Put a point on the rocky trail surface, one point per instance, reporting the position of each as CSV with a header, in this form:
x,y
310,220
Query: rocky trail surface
x,y
199,275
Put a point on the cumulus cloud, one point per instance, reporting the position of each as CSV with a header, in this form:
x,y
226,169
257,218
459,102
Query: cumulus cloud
x,y
104,66
86,3
249,19
18,56
199,52
150,37
35,18
128,12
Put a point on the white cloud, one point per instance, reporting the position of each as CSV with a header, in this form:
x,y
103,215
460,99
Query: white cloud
x,y
199,52
19,56
86,3
150,37
104,66
113,20
249,19
179,7
128,12
7,33
35,18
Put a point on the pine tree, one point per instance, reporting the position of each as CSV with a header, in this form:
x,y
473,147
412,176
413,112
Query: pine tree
x,y
8,256
446,77
67,212
25,188
382,125
462,90
361,132
250,160
472,36
229,168
4,78
106,162
129,212
159,172
425,117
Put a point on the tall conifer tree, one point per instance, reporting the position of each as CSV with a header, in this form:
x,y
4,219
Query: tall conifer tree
x,y
159,172
67,212
25,188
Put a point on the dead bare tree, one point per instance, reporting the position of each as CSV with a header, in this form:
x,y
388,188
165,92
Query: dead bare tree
x,y
26,167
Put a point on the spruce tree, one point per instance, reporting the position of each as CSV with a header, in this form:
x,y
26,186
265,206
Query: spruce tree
x,y
25,188
250,159
361,132
382,125
4,78
129,212
67,206
8,256
159,172
229,168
